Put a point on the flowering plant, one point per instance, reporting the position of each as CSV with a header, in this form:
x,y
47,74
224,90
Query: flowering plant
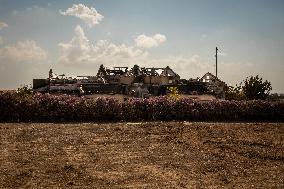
x,y
47,107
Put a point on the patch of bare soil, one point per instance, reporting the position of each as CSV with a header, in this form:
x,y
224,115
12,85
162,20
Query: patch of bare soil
x,y
142,155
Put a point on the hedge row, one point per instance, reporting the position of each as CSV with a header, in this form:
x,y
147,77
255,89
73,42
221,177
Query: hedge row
x,y
53,108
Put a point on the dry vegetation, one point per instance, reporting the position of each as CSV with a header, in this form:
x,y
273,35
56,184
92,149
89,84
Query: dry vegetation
x,y
142,155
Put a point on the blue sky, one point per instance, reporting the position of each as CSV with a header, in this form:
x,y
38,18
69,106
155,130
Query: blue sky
x,y
38,35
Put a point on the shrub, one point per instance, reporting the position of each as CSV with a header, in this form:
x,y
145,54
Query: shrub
x,y
46,107
255,88
234,93
25,90
174,92
252,88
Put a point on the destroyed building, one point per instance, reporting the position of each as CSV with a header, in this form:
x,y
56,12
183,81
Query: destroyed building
x,y
214,84
138,82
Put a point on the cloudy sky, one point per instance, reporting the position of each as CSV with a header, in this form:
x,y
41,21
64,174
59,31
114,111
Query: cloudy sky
x,y
75,37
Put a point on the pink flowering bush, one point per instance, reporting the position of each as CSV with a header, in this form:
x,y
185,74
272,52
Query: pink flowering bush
x,y
46,107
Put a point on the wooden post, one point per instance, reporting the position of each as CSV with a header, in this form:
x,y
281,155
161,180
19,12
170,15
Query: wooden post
x,y
216,61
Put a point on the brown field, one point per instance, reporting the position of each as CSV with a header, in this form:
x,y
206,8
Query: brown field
x,y
142,155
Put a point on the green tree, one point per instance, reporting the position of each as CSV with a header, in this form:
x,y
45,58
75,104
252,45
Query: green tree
x,y
234,93
136,70
102,71
254,87
25,90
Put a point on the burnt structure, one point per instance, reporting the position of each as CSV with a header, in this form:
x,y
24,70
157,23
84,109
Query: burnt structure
x,y
139,82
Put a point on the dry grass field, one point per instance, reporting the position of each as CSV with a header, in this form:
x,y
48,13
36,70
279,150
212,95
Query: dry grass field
x,y
142,155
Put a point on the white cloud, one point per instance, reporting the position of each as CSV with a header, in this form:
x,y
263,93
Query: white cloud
x,y
150,41
89,15
23,51
3,25
81,51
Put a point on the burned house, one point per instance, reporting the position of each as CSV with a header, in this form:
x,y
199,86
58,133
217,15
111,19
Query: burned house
x,y
136,81
214,85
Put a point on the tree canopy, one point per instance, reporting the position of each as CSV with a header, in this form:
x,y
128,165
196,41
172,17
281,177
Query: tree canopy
x,y
255,88
252,88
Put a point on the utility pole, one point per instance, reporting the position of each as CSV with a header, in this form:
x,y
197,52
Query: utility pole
x,y
216,60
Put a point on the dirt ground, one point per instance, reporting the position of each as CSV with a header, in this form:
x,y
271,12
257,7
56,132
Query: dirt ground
x,y
142,155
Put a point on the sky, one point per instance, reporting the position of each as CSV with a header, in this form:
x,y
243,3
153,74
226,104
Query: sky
x,y
76,37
